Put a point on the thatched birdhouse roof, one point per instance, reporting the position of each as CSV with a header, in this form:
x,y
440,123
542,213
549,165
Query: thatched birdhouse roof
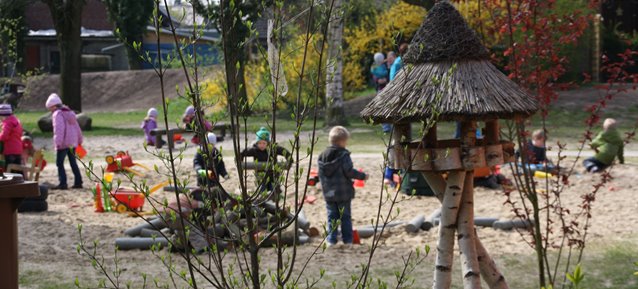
x,y
447,75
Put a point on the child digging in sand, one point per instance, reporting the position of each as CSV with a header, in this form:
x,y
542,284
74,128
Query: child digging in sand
x,y
608,145
260,151
336,173
209,170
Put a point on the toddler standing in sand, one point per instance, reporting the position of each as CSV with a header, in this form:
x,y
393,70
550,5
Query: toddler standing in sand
x,y
608,145
149,124
336,173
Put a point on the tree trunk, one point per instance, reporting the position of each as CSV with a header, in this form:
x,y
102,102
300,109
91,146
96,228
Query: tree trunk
x,y
67,20
447,228
335,114
466,236
133,56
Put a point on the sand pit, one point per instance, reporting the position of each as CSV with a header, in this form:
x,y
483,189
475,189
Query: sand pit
x,y
48,240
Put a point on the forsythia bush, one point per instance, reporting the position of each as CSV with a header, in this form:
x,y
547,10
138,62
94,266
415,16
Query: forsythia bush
x,y
259,86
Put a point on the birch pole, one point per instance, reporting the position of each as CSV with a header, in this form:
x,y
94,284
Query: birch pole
x,y
489,271
466,236
447,228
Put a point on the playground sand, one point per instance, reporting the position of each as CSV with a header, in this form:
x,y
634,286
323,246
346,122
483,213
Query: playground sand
x,y
48,240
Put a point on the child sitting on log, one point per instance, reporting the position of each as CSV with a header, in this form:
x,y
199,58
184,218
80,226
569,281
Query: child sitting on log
x,y
536,153
336,172
148,125
189,120
608,145
209,167
260,151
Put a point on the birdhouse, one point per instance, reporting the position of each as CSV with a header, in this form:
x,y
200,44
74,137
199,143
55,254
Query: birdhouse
x,y
447,76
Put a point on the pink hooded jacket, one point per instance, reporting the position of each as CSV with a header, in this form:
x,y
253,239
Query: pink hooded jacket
x,y
66,130
11,136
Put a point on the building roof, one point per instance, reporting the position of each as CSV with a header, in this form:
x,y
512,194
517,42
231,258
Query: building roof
x,y
447,76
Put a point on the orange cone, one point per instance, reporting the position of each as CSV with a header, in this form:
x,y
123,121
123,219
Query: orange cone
x,y
99,208
359,183
355,237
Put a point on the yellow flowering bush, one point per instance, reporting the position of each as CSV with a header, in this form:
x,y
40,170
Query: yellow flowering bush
x,y
258,84
377,34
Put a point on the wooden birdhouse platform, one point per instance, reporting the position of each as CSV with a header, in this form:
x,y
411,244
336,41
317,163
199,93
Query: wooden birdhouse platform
x,y
448,155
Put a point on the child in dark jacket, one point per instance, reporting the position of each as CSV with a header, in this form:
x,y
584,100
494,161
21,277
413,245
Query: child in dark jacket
x,y
209,170
336,172
260,151
608,145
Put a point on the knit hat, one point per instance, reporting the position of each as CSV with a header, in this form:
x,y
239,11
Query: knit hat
x,y
190,110
212,138
5,110
53,99
152,112
378,58
263,134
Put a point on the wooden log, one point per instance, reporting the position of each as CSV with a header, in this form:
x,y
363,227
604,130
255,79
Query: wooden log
x,y
429,222
302,221
366,232
489,271
511,224
484,221
447,228
140,243
149,233
414,225
256,166
156,224
466,237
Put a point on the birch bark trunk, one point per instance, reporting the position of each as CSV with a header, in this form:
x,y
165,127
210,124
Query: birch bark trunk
x,y
447,228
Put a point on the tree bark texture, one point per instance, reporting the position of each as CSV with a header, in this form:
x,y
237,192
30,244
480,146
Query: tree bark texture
x,y
67,20
465,227
335,114
447,229
488,268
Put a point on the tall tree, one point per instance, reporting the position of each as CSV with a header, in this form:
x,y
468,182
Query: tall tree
x,y
130,19
335,114
237,16
12,32
67,20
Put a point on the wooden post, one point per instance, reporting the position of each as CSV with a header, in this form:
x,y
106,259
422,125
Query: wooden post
x,y
447,228
492,132
465,227
398,156
430,138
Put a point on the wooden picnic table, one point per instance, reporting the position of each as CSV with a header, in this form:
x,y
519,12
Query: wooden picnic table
x,y
221,127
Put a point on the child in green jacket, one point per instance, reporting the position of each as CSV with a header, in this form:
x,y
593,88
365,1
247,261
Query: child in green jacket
x,y
608,145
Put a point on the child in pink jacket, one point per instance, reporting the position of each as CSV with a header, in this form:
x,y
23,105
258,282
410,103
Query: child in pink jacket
x,y
67,135
11,136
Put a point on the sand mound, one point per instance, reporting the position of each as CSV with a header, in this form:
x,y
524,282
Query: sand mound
x,y
108,91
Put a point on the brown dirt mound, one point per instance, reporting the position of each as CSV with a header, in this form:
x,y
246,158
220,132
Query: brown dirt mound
x,y
108,91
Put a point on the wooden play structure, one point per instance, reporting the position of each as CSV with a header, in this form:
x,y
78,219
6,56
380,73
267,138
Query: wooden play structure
x,y
447,76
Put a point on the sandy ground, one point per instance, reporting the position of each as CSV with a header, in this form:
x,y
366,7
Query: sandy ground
x,y
48,240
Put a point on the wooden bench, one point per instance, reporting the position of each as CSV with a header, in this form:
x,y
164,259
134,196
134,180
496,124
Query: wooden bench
x,y
221,127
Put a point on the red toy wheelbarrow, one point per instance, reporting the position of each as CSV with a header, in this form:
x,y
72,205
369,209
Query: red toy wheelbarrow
x,y
128,199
